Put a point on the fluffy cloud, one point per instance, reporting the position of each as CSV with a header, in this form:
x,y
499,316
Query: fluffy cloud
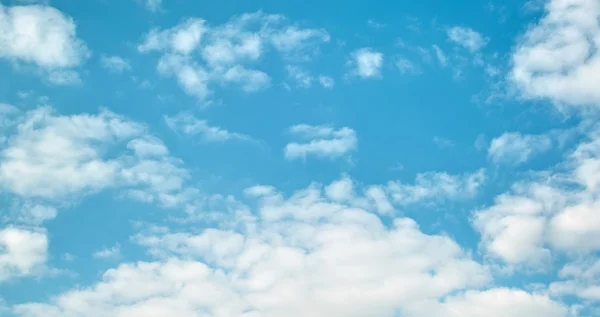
x,y
466,37
556,211
44,37
298,255
225,53
189,124
557,59
322,141
580,278
22,252
115,63
515,148
366,63
51,157
432,187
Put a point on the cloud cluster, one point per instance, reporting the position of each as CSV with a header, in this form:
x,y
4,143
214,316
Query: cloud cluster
x,y
555,213
298,255
199,55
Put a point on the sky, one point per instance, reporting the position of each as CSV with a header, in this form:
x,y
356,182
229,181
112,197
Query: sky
x,y
298,158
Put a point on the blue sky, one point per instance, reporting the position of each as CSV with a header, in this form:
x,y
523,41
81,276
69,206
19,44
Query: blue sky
x,y
428,158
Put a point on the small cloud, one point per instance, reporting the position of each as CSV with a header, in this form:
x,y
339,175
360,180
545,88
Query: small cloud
x,y
321,141
366,63
405,66
326,81
302,78
107,253
189,124
152,5
467,37
514,148
439,54
481,143
115,63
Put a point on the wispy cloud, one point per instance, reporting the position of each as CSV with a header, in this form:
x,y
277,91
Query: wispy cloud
x,y
189,124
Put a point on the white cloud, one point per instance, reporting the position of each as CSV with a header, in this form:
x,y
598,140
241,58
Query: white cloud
x,y
107,253
305,254
55,155
553,212
299,43
467,37
322,141
189,124
366,63
35,214
250,80
297,255
44,37
64,77
435,187
148,146
580,278
439,54
302,78
502,302
198,54
326,81
557,59
115,63
52,158
515,148
22,252
406,66
152,5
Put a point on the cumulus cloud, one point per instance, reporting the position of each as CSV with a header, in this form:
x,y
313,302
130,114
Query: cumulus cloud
x,y
321,141
515,148
22,252
580,278
555,211
52,157
199,55
366,63
435,187
189,124
557,58
44,37
297,255
466,37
